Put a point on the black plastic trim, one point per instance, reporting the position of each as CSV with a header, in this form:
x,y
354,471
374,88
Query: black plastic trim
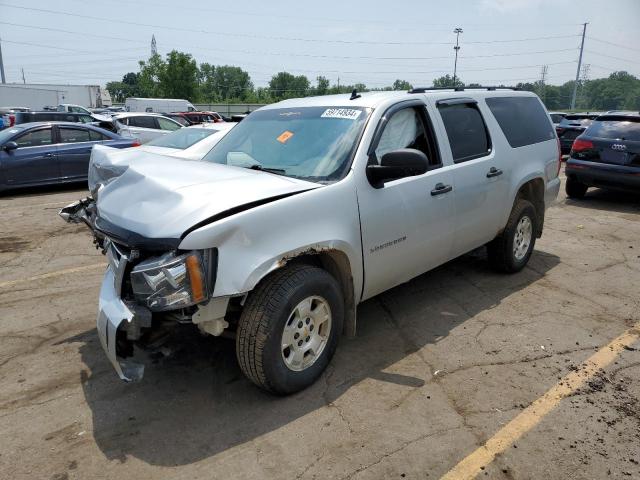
x,y
132,239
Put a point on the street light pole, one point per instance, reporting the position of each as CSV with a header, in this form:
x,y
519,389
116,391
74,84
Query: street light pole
x,y
457,31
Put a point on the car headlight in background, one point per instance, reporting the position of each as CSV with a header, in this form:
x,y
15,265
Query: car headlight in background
x,y
170,281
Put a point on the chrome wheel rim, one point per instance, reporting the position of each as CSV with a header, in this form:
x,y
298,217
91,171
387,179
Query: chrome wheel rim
x,y
306,333
522,238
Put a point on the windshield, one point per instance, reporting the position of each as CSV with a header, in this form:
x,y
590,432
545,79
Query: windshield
x,y
577,120
311,143
183,138
615,129
7,133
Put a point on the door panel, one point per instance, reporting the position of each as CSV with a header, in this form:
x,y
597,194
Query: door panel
x,y
34,161
406,224
406,230
479,202
480,178
74,152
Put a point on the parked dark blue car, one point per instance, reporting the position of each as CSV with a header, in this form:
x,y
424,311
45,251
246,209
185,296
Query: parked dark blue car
x,y
606,155
43,153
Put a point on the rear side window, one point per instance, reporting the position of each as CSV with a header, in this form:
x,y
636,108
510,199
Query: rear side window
x,y
166,124
143,122
615,129
466,130
97,136
523,120
73,135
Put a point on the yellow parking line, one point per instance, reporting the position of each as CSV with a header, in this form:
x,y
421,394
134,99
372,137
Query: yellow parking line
x,y
469,468
57,273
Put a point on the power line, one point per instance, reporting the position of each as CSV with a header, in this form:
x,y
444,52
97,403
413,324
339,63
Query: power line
x,y
611,56
265,37
613,44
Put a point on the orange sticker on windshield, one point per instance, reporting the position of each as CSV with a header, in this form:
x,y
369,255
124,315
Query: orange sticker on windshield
x,y
285,136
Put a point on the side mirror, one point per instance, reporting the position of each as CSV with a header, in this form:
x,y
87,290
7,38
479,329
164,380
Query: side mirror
x,y
406,162
7,147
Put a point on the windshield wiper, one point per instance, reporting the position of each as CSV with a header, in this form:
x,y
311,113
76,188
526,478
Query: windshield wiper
x,y
277,171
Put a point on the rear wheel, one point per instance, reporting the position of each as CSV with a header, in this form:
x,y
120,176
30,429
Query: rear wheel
x,y
575,189
289,328
511,250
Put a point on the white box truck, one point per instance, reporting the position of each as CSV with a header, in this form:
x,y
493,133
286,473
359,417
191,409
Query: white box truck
x,y
158,105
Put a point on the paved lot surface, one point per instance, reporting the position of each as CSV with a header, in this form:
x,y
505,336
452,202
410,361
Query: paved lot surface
x,y
440,367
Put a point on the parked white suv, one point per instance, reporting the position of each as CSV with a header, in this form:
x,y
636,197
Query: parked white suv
x,y
309,207
144,126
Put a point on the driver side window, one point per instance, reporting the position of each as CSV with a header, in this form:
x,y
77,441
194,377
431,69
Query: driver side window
x,y
406,129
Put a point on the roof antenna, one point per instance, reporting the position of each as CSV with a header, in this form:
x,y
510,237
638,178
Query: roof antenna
x,y
355,94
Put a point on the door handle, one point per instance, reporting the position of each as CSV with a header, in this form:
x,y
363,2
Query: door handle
x,y
440,189
48,155
494,172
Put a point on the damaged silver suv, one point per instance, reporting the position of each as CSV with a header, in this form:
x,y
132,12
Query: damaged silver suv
x,y
307,208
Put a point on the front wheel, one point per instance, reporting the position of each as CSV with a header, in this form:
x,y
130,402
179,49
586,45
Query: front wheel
x,y
289,328
511,250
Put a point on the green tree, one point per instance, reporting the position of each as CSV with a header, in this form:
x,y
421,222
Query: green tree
x,y
323,85
179,77
447,81
402,85
226,82
149,76
286,85
128,87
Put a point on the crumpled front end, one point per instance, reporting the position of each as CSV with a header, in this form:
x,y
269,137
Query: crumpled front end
x,y
113,314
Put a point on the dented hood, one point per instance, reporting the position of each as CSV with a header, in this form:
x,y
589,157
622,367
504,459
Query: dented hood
x,y
161,197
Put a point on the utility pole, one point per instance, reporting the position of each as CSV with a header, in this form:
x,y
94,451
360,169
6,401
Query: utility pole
x,y
575,85
457,31
23,80
584,77
543,78
2,65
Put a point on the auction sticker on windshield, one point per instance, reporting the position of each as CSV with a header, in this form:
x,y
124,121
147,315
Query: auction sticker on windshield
x,y
285,136
347,113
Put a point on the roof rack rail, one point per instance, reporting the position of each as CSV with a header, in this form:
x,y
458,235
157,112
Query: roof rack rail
x,y
461,89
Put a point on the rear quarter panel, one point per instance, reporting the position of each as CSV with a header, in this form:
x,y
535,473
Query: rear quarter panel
x,y
523,164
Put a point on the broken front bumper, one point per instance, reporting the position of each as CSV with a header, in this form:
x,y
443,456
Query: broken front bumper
x,y
112,312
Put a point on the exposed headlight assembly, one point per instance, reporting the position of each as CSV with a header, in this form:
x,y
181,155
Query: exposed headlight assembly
x,y
170,281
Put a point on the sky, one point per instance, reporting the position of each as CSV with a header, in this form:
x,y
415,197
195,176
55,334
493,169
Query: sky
x,y
373,42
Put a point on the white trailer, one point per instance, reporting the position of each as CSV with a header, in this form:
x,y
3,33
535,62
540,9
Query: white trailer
x,y
33,98
38,95
158,105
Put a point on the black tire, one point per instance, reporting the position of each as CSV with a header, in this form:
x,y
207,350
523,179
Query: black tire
x,y
267,309
575,189
500,250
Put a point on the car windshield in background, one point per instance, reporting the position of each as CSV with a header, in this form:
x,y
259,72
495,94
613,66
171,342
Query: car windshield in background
x,y
577,120
615,129
183,138
311,143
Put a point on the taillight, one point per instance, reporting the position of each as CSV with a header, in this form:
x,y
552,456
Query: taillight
x,y
136,143
559,156
580,145
12,120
